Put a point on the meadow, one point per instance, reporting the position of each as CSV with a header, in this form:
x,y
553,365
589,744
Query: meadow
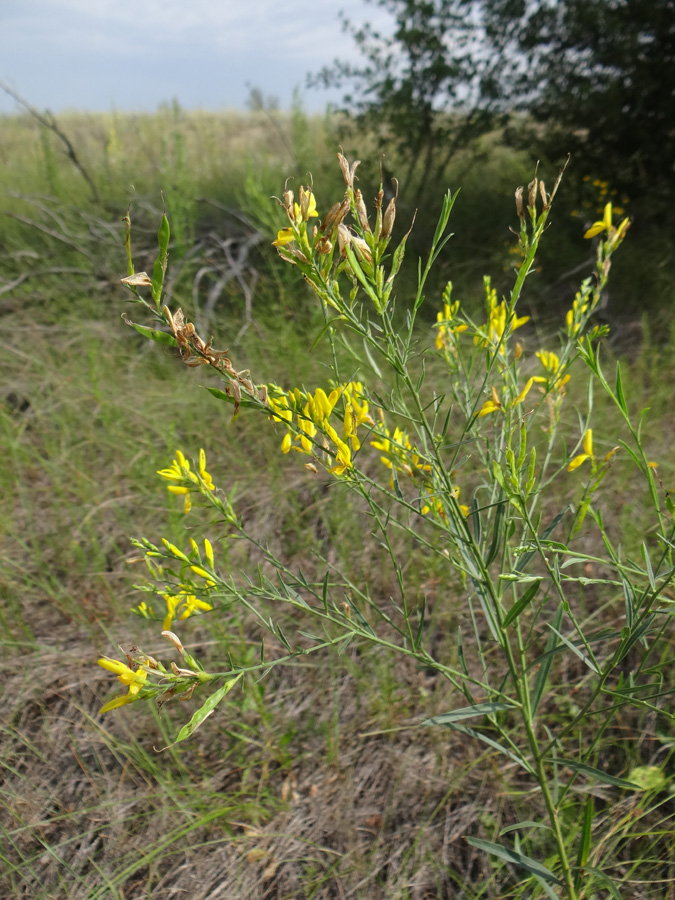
x,y
317,780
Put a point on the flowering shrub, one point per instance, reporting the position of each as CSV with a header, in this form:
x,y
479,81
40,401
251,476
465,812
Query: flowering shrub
x,y
490,430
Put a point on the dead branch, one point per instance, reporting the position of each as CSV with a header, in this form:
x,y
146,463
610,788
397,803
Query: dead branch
x,y
48,121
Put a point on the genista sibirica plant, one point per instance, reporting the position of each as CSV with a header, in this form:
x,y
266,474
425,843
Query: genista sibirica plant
x,y
463,464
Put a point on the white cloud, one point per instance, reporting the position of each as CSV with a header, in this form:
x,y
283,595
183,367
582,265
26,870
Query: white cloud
x,y
60,52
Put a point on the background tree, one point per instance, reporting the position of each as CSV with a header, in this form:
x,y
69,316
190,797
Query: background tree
x,y
426,86
593,78
597,78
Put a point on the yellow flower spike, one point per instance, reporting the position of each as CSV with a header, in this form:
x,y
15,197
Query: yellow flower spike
x,y
286,443
208,551
187,504
177,489
182,461
194,546
201,572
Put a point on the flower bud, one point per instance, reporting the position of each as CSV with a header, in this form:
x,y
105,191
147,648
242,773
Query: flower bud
x,y
347,170
362,248
389,218
361,211
173,639
334,216
532,192
304,198
519,203
288,203
344,238
323,246
542,193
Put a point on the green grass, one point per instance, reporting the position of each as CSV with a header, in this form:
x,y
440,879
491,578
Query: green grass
x,y
316,781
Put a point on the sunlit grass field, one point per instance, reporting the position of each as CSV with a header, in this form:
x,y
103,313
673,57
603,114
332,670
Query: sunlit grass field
x,y
317,781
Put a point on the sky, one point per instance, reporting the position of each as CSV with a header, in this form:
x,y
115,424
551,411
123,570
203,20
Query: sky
x,y
99,55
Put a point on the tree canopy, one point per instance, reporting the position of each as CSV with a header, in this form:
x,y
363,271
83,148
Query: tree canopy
x,y
594,77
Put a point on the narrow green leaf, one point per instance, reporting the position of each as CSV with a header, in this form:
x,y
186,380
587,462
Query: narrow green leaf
x,y
524,862
606,880
361,276
628,642
460,652
648,563
496,533
474,517
397,487
520,605
577,652
160,337
468,712
206,710
526,557
598,774
373,365
584,841
484,739
521,826
547,661
284,640
329,324
420,627
619,390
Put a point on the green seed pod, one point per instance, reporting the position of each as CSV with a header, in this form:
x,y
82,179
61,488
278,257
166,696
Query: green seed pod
x,y
531,476
159,268
522,453
163,236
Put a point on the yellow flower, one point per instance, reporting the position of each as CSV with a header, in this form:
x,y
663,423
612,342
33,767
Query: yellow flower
x,y
615,235
134,679
587,454
343,458
444,326
498,322
206,478
180,470
491,405
284,236
182,606
402,456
